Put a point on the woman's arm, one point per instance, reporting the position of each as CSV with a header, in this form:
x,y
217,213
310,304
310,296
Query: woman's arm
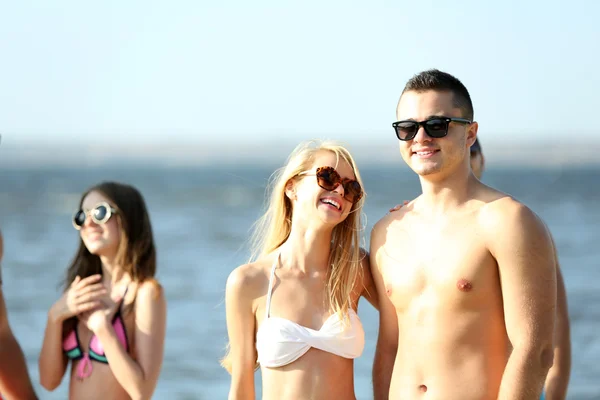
x,y
82,296
369,291
139,378
240,328
52,363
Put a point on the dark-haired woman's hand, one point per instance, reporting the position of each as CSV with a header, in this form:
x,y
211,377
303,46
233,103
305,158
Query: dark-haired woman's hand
x,y
101,316
83,295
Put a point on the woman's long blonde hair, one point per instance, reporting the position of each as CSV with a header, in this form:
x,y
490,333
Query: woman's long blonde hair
x,y
275,225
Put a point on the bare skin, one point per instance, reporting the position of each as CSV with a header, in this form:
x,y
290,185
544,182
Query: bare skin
x,y
94,301
299,295
465,275
477,161
14,377
557,381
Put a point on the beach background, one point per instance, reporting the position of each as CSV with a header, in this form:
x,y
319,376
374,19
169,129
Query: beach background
x,y
201,217
196,103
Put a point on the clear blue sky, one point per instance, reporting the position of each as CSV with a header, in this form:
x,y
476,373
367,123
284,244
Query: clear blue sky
x,y
208,72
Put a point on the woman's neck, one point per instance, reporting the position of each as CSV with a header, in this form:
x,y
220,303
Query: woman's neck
x,y
307,250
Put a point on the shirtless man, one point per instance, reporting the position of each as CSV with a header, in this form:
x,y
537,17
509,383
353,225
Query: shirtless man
x,y
465,274
14,377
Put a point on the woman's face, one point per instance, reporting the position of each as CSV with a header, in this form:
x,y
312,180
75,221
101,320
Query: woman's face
x,y
101,239
313,201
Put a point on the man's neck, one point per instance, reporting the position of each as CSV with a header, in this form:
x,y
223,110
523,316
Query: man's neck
x,y
443,194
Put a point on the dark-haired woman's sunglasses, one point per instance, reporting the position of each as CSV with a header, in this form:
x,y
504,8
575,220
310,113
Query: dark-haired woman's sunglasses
x,y
100,214
329,179
435,127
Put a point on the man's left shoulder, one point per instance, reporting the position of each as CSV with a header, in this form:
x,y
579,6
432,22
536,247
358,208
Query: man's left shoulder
x,y
508,212
508,223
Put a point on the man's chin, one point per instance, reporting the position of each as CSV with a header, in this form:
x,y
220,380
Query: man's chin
x,y
424,171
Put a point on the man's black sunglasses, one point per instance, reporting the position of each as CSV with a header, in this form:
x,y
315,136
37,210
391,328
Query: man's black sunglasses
x,y
436,127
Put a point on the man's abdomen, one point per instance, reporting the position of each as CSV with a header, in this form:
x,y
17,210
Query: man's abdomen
x,y
455,356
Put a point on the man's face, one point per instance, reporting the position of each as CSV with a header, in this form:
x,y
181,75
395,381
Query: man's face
x,y
426,155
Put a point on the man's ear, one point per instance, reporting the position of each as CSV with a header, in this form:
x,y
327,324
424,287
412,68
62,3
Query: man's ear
x,y
472,133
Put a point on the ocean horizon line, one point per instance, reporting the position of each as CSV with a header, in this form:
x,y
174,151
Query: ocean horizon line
x,y
496,153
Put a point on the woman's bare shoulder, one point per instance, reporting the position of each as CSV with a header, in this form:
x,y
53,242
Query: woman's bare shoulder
x,y
250,280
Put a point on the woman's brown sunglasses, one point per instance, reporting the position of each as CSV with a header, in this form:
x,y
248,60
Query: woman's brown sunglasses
x,y
329,179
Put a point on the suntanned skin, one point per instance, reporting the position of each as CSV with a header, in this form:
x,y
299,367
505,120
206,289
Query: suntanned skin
x,y
557,381
315,375
14,377
299,295
466,278
131,373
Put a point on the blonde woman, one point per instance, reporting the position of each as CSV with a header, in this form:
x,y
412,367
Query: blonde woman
x,y
292,310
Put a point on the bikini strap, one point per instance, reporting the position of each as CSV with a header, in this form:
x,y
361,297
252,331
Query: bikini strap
x,y
119,310
125,293
270,290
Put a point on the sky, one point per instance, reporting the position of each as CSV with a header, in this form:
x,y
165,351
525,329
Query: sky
x,y
163,77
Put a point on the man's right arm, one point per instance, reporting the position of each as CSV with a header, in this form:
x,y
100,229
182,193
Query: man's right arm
x,y
387,341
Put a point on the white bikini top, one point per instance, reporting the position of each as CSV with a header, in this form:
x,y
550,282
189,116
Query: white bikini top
x,y
280,341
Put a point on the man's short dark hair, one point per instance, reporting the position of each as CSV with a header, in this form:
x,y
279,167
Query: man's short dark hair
x,y
434,79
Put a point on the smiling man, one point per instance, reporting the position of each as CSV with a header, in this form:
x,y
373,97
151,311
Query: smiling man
x,y
466,274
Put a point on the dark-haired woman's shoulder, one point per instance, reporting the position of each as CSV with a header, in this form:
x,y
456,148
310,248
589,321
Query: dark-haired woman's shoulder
x,y
150,331
150,289
150,306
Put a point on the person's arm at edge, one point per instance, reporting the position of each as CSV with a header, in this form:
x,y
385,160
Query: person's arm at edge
x,y
557,380
15,382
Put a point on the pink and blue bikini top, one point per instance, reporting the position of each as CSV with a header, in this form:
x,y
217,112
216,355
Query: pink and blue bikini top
x,y
74,351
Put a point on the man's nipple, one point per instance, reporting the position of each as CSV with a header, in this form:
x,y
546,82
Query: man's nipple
x,y
464,285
